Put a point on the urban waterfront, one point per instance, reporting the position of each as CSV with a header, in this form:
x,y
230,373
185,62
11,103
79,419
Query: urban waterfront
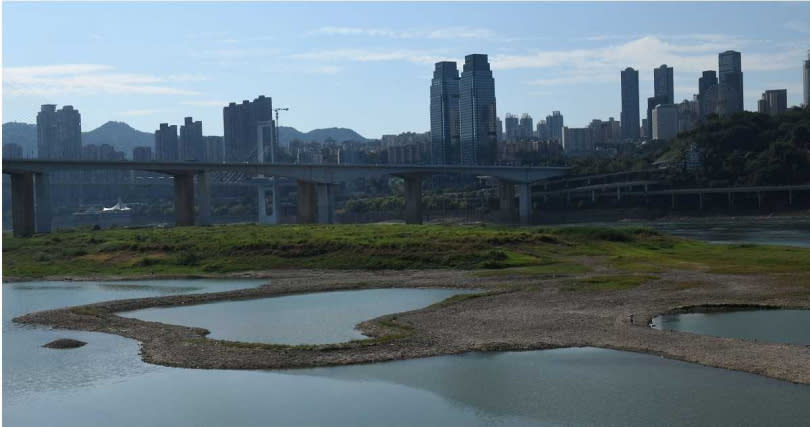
x,y
406,214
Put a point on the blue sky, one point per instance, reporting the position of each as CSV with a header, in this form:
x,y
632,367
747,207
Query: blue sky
x,y
367,66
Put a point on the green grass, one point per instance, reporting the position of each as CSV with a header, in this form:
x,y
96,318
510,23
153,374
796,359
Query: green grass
x,y
492,250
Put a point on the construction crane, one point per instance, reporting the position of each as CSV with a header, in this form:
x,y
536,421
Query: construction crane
x,y
276,110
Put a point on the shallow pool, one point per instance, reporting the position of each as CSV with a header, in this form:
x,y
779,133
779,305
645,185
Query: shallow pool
x,y
782,326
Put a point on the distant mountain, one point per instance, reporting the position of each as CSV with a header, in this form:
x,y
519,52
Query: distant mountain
x,y
120,135
22,134
124,138
287,134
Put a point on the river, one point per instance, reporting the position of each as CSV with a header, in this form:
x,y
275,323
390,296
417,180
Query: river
x,y
106,383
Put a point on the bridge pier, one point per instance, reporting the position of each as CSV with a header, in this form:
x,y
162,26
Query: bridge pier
x,y
203,199
184,199
263,216
22,203
326,203
506,200
42,200
525,202
306,202
413,199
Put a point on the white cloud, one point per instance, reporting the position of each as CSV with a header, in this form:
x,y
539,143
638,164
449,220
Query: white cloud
x,y
205,103
436,33
233,53
366,55
49,80
604,63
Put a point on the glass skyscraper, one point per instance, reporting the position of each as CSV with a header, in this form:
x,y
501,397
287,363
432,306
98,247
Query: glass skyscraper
x,y
444,115
731,82
630,114
707,93
479,137
663,83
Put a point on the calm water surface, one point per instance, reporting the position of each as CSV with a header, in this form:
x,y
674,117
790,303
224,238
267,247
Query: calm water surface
x,y
784,326
321,318
105,383
763,231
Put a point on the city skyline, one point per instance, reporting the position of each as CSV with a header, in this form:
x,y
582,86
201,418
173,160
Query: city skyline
x,y
198,71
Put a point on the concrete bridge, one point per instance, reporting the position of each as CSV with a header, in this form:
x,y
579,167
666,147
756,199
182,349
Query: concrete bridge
x,y
31,210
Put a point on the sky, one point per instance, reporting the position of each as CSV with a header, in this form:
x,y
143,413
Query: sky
x,y
368,66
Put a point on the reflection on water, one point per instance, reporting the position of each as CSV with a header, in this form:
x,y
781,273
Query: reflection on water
x,y
160,289
763,231
105,383
321,318
29,368
784,326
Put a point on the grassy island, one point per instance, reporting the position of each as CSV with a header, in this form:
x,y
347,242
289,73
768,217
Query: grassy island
x,y
493,250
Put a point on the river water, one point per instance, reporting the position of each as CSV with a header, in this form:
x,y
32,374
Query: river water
x,y
784,326
788,231
106,383
320,318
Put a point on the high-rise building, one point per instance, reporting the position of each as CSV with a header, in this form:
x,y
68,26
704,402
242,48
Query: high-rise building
x,y
479,143
806,81
499,128
577,142
542,131
555,126
773,102
191,141
444,116
12,151
707,93
688,114
214,151
166,149
663,83
526,127
142,154
629,118
651,104
664,122
730,93
512,122
59,133
605,132
241,123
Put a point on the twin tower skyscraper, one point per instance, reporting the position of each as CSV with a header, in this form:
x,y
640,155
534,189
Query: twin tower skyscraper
x,y
463,123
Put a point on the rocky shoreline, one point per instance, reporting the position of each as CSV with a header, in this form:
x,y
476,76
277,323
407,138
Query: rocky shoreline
x,y
513,312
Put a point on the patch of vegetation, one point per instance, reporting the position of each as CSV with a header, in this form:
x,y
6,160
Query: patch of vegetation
x,y
493,249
